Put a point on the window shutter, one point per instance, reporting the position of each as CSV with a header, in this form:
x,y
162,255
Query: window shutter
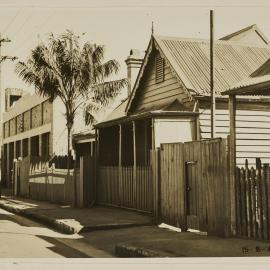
x,y
159,69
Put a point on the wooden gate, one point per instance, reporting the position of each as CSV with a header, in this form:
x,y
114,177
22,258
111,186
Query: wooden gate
x,y
172,206
194,194
194,186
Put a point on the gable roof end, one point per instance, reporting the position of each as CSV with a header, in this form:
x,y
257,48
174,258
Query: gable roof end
x,y
139,76
154,41
250,28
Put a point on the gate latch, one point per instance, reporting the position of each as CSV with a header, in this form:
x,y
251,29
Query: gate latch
x,y
191,162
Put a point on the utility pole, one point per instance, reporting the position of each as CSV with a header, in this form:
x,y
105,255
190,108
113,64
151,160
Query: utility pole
x,y
212,90
2,95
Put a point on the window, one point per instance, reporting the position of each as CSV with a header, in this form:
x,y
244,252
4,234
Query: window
x,y
45,144
174,131
159,69
19,123
6,129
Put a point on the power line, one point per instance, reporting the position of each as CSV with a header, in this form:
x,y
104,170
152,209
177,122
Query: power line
x,y
41,26
13,19
19,30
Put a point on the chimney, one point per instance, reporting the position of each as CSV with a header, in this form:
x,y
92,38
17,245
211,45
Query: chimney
x,y
134,62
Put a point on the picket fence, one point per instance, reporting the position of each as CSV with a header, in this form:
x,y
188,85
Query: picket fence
x,y
253,201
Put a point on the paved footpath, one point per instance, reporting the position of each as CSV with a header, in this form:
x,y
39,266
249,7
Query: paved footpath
x,y
71,220
112,232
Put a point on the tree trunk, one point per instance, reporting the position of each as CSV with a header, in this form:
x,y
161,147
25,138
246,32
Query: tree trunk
x,y
68,166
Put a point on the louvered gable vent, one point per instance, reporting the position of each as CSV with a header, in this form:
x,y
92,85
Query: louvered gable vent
x,y
159,69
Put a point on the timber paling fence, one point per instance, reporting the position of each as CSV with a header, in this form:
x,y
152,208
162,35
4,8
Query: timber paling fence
x,y
53,185
125,187
36,180
253,201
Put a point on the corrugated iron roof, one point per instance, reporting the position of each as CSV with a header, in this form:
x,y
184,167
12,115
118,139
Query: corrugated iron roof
x,y
250,81
227,37
258,83
252,28
251,86
264,69
118,112
190,59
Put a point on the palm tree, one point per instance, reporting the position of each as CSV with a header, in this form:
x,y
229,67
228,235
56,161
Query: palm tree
x,y
76,74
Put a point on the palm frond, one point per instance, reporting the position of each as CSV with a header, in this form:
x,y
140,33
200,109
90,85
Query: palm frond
x,y
89,111
98,54
61,68
107,69
108,90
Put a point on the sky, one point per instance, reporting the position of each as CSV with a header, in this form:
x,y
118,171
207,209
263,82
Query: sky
x,y
119,25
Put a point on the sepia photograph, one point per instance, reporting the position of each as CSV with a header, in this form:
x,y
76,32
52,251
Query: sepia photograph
x,y
134,132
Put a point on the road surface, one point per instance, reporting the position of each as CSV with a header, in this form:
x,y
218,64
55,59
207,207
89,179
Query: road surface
x,y
23,238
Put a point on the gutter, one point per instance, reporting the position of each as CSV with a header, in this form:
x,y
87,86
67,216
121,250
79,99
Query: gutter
x,y
244,99
249,89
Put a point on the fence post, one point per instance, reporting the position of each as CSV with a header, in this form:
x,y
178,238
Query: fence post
x,y
265,202
52,172
120,179
259,196
268,199
238,202
226,186
46,182
96,175
81,182
134,163
19,176
28,172
232,154
155,164
15,178
232,187
248,199
253,201
243,202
